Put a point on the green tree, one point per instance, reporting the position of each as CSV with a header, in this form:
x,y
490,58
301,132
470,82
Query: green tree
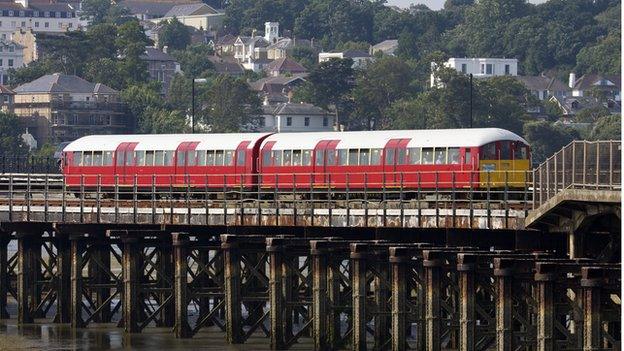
x,y
546,138
193,61
131,42
228,105
591,115
105,71
608,127
179,94
377,86
139,98
306,56
162,121
95,10
175,35
10,135
604,57
101,39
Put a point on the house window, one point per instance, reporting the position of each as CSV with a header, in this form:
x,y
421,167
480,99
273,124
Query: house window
x,y
23,24
1,63
489,68
46,14
36,24
47,25
507,70
70,24
325,121
10,62
10,13
464,68
288,121
306,121
11,48
12,24
21,13
3,36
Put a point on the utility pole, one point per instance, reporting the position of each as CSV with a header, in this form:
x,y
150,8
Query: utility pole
x,y
470,100
195,80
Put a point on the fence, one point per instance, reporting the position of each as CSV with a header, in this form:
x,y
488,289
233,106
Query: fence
x,y
579,165
29,164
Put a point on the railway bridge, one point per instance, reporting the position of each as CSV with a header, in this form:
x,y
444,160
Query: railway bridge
x,y
459,269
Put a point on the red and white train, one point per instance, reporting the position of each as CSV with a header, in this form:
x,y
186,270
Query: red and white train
x,y
442,158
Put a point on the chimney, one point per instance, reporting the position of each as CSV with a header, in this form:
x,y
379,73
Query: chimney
x,y
22,2
165,49
572,80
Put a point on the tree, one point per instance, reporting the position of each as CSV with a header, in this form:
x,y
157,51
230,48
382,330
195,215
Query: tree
x,y
139,98
162,121
131,42
306,56
546,138
193,61
228,105
175,35
607,127
104,71
10,135
179,94
101,38
95,10
377,86
591,115
604,57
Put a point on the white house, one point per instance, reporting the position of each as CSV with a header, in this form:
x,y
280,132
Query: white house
x,y
251,51
360,58
198,15
609,85
38,16
295,117
11,56
479,67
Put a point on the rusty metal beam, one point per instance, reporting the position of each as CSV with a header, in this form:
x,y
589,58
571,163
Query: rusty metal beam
x,y
466,265
275,248
63,278
399,259
25,281
503,273
318,251
359,255
77,249
591,282
432,263
544,277
131,283
232,278
181,326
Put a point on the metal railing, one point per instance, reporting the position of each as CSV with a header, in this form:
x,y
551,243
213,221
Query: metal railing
x,y
579,165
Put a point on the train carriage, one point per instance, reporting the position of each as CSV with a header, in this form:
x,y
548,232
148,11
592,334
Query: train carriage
x,y
443,158
206,160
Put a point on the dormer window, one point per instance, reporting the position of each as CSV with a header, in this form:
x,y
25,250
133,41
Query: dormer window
x,y
21,13
11,13
36,13
11,48
46,14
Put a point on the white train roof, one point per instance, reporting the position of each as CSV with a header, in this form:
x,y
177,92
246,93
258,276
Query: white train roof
x,y
229,141
378,139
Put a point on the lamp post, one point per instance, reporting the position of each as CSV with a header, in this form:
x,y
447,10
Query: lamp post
x,y
470,100
195,80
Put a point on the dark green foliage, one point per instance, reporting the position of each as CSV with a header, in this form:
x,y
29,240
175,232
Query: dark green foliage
x,y
306,56
546,138
608,127
194,60
228,105
591,115
175,35
10,139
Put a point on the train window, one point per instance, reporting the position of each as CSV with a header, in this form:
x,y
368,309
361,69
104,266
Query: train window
x,y
440,155
201,157
219,158
319,154
229,157
87,158
139,156
119,157
277,157
342,157
375,156
77,158
159,158
266,158
401,156
149,158
389,155
168,158
427,156
353,157
520,151
210,158
129,158
331,157
240,158
467,157
181,158
414,156
505,149
97,158
453,155
364,157
307,158
107,159
287,158
191,158
489,152
296,158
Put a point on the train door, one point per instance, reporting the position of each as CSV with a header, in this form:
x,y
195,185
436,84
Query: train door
x,y
124,163
185,161
319,162
266,166
242,159
395,155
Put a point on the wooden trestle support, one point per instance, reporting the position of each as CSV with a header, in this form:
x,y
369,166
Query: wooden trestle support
x,y
329,292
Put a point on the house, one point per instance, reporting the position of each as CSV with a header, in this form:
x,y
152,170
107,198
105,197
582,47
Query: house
x,y
360,58
572,105
386,47
146,9
608,86
284,66
295,117
38,15
283,46
544,87
251,51
227,65
7,97
161,66
36,44
273,90
11,57
224,46
479,67
72,107
197,15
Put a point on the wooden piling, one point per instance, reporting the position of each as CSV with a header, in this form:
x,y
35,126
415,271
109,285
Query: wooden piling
x,y
399,260
25,281
275,249
466,266
180,285
77,249
318,251
503,273
232,283
4,274
131,283
63,278
591,282
544,277
359,255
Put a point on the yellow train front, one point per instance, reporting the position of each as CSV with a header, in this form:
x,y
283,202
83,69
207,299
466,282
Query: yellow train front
x,y
504,163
